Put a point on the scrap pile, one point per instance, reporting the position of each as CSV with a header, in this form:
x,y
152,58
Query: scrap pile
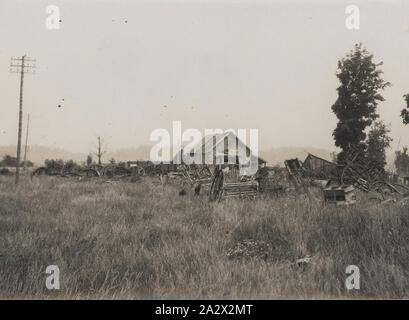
x,y
112,171
358,171
272,180
159,169
296,175
196,174
339,181
221,189
367,176
334,182
248,189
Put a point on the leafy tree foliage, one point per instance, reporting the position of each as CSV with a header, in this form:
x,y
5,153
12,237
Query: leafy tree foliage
x,y
52,164
377,143
70,165
405,112
358,98
9,161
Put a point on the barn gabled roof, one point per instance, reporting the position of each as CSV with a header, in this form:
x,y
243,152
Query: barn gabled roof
x,y
207,145
310,155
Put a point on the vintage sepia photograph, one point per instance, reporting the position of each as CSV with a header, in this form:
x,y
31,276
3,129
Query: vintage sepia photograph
x,y
204,150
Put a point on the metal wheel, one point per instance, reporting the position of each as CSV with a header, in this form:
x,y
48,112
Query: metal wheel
x,y
385,190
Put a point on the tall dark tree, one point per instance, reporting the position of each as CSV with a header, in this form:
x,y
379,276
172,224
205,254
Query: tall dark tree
x,y
405,112
377,143
358,97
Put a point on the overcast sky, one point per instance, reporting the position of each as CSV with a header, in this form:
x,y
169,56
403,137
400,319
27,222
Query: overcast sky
x,y
125,68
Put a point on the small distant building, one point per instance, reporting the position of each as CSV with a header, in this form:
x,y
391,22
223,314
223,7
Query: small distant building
x,y
391,177
319,165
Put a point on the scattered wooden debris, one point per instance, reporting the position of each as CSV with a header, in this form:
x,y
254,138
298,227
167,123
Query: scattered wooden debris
x,y
403,201
221,189
337,182
359,172
196,174
116,171
296,176
354,172
272,180
217,185
247,189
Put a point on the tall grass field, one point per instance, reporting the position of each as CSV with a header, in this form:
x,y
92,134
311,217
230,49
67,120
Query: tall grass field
x,y
125,240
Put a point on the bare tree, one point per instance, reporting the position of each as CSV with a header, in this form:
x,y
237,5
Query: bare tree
x,y
100,152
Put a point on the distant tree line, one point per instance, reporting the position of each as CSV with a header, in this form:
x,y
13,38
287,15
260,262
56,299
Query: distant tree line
x,y
70,165
58,164
9,161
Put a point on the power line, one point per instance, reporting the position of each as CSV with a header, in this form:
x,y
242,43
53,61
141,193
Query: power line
x,y
21,65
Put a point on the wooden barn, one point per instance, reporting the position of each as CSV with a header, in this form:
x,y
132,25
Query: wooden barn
x,y
319,165
227,150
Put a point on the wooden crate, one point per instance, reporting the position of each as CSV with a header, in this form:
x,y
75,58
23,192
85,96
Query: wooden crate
x,y
247,189
340,195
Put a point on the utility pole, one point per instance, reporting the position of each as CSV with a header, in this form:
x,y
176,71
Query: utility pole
x,y
25,148
21,65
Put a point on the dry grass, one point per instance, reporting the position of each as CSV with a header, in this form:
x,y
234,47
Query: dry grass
x,y
127,240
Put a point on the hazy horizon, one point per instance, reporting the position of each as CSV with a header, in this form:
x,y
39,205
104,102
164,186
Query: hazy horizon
x,y
123,69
